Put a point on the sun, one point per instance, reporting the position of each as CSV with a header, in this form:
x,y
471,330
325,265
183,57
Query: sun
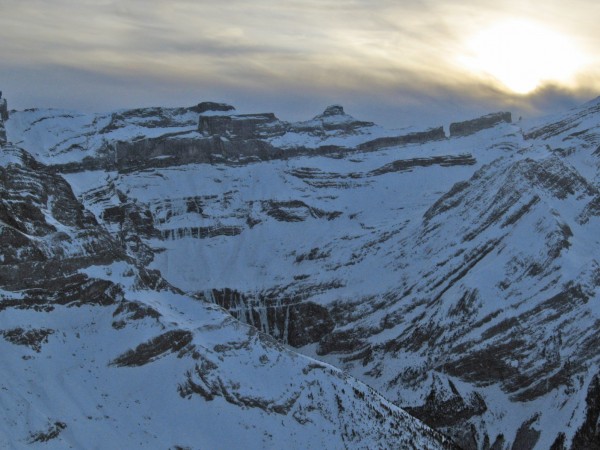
x,y
522,55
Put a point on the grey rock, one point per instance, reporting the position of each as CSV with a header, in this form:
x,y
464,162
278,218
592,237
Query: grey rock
x,y
527,436
332,119
588,434
211,106
50,433
295,211
419,137
3,109
242,126
33,338
161,152
3,117
146,352
404,165
287,319
446,408
473,126
334,110
31,244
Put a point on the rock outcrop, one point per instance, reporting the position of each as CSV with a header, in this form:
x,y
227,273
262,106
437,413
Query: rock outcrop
x,y
418,137
3,108
588,435
333,119
44,230
289,320
473,126
333,110
164,152
211,106
241,126
3,117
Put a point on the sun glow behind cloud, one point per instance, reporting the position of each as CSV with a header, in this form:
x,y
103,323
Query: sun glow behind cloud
x,y
522,55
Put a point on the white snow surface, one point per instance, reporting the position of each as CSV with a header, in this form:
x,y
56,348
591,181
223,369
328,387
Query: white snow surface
x,y
72,380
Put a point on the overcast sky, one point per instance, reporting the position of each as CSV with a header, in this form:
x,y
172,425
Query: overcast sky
x,y
395,62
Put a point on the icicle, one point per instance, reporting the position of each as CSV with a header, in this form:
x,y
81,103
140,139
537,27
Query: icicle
x,y
286,325
264,318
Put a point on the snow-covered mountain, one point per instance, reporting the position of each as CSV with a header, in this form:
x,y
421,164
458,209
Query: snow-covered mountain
x,y
455,275
100,351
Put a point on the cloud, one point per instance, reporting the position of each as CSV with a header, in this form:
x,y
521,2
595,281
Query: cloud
x,y
386,57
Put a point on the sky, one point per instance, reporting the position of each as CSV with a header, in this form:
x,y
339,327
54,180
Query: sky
x,y
398,63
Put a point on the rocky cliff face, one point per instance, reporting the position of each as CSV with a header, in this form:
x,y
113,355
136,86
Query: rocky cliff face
x,y
3,108
473,126
3,117
45,229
